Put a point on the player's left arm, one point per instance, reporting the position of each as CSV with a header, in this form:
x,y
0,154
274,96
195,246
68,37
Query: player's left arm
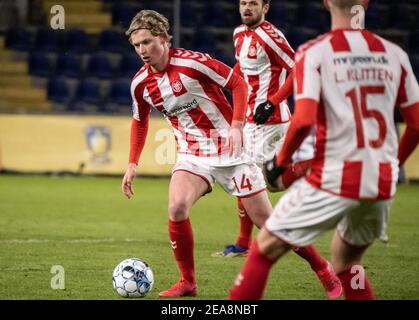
x,y
306,76
238,88
266,109
281,55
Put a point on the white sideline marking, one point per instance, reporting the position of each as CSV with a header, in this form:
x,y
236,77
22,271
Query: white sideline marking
x,y
105,240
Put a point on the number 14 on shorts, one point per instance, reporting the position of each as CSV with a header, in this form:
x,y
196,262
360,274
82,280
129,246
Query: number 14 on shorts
x,y
244,184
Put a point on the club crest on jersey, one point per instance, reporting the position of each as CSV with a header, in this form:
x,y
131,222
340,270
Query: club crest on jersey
x,y
177,87
252,52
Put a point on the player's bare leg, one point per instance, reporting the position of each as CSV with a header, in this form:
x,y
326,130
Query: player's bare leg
x,y
184,190
244,239
258,207
264,252
344,258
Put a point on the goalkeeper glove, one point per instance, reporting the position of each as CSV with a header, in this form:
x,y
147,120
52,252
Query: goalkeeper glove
x,y
263,111
272,172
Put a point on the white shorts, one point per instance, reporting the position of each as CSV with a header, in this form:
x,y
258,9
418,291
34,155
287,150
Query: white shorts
x,y
304,213
262,142
242,180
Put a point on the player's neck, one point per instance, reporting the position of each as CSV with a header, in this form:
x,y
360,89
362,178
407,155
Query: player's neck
x,y
162,64
253,27
341,21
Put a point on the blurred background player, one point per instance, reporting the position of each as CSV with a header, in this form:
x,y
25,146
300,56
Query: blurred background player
x,y
185,87
348,82
264,58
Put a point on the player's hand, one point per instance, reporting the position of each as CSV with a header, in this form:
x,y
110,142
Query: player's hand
x,y
272,172
235,138
128,179
263,111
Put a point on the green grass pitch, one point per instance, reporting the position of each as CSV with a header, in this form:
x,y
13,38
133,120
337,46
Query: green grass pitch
x,y
87,226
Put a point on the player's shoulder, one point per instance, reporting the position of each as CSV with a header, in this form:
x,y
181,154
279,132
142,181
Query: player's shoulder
x,y
238,31
189,55
270,29
390,46
140,76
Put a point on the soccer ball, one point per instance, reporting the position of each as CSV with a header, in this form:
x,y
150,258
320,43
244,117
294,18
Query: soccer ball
x,y
133,278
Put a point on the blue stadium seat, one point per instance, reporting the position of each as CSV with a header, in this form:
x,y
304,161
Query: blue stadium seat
x,y
400,17
113,41
122,14
58,90
414,60
99,66
373,19
413,42
47,39
311,15
204,40
18,38
120,93
88,92
188,16
40,65
69,65
297,37
129,65
280,17
216,16
77,41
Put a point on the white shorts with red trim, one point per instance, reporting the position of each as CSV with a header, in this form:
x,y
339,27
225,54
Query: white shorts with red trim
x,y
241,180
261,142
304,213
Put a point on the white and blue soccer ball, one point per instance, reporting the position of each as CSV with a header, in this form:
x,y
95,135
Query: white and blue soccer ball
x,y
133,278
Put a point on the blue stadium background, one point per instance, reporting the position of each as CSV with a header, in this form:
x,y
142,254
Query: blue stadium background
x,y
88,70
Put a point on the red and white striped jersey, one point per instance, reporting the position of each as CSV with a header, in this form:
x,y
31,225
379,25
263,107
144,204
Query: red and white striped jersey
x,y
264,57
358,78
189,94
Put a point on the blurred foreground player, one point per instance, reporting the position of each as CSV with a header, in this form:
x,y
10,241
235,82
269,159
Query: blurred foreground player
x,y
264,58
186,87
347,82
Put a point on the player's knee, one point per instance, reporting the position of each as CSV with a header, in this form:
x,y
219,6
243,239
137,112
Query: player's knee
x,y
178,210
270,246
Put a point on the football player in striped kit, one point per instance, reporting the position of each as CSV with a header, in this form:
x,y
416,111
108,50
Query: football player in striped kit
x,y
347,82
186,88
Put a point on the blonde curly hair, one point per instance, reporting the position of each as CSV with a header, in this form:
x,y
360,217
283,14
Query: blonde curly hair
x,y
151,20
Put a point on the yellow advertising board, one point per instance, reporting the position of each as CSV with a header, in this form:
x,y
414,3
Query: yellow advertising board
x,y
81,144
93,144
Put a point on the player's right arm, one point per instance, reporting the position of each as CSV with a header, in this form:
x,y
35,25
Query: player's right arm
x,y
264,110
408,103
139,129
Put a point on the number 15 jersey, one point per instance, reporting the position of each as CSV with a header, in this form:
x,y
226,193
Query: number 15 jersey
x,y
358,78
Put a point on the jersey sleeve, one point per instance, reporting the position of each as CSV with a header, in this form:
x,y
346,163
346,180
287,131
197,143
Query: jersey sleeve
x,y
140,108
217,71
282,52
408,93
139,128
307,79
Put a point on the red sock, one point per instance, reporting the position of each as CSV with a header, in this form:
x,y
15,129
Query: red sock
x,y
356,285
181,239
251,281
312,256
246,225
